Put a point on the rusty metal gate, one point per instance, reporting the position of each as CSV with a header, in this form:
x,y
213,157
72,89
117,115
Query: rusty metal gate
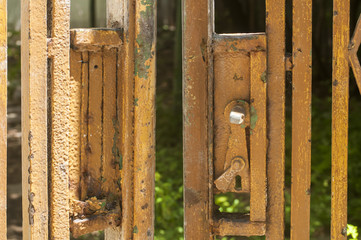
x,y
234,120
88,121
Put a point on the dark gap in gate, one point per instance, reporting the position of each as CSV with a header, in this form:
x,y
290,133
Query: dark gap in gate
x,y
288,106
88,14
49,128
232,203
240,16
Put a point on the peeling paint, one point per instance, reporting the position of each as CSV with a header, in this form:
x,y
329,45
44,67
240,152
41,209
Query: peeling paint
x,y
31,208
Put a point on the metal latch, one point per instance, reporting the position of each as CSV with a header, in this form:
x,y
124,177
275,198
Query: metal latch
x,y
236,177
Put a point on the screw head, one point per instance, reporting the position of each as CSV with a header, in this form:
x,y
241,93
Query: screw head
x,y
238,163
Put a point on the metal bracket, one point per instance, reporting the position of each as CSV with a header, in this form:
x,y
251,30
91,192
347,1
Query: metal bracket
x,y
237,162
353,49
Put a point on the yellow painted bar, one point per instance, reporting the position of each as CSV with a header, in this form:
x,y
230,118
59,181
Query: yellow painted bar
x,y
144,119
110,136
197,201
121,14
95,124
301,119
340,95
34,119
275,30
60,118
75,115
84,121
3,113
258,138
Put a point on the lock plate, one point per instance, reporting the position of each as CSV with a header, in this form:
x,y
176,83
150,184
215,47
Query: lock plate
x,y
240,81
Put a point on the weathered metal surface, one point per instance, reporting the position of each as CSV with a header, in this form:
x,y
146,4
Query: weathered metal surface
x,y
116,11
301,119
75,124
353,49
97,223
232,84
60,119
235,160
239,227
340,95
144,119
121,14
111,155
94,40
84,121
258,137
96,127
195,122
3,114
240,79
94,146
34,119
275,30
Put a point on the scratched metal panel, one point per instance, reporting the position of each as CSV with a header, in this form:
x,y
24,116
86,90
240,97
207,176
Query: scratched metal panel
x,y
34,120
340,100
301,119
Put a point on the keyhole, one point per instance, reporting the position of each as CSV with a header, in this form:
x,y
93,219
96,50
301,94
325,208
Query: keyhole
x,y
238,186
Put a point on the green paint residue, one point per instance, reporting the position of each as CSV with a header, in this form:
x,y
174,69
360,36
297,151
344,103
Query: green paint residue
x,y
120,161
115,149
103,205
145,39
135,229
264,77
233,47
136,102
254,117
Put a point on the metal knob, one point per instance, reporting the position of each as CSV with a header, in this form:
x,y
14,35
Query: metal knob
x,y
237,115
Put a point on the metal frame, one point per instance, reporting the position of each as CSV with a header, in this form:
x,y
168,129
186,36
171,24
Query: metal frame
x,y
3,117
49,116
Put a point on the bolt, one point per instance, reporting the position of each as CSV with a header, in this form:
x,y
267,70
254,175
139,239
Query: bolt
x,y
238,163
237,115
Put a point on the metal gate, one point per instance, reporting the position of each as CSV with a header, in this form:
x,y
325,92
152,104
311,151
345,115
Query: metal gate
x,y
234,120
88,121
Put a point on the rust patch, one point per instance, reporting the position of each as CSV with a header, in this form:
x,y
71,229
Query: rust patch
x,y
31,208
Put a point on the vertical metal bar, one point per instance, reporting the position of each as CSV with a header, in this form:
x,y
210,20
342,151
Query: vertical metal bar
x,y
34,119
301,119
144,119
258,86
275,29
75,125
340,95
121,14
3,114
110,134
115,13
60,118
195,131
95,123
84,121
110,139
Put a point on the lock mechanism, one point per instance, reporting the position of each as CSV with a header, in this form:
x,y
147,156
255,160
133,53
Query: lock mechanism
x,y
237,160
240,130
